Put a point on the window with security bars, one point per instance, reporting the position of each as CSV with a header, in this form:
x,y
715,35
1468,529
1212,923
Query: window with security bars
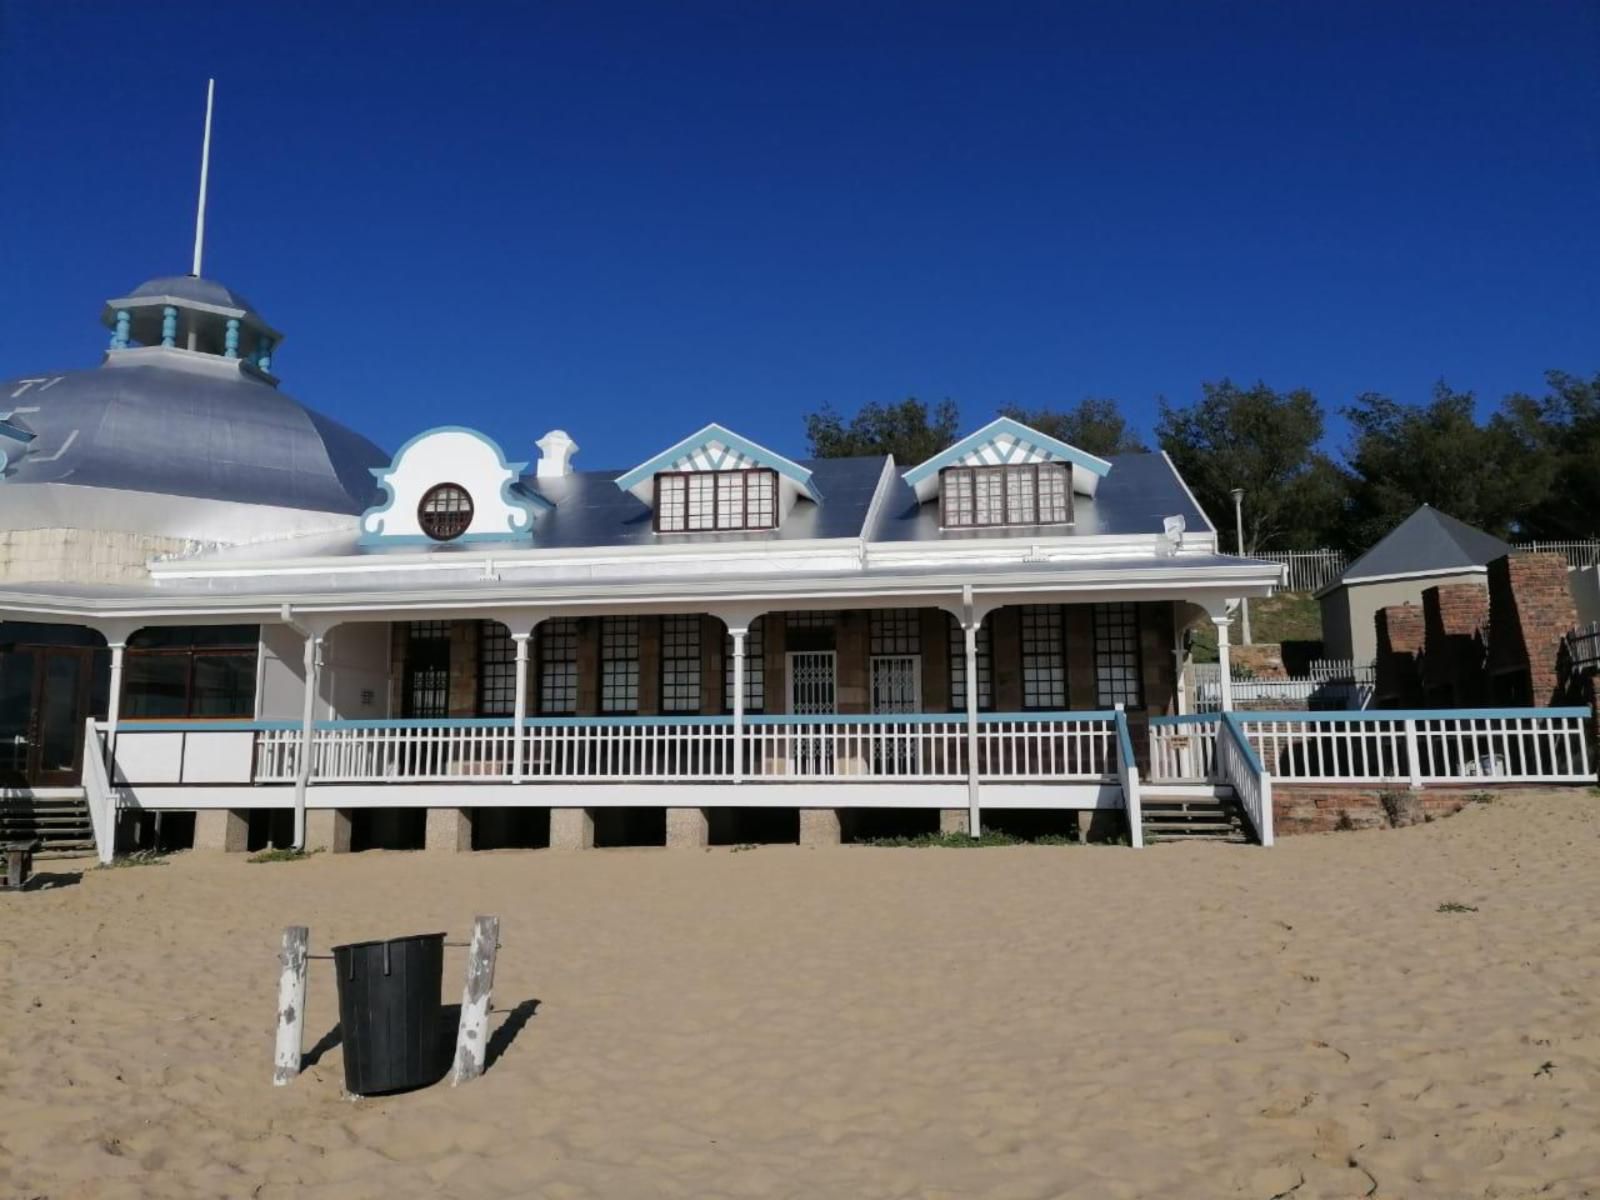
x,y
810,618
1044,659
1019,494
755,669
680,664
894,631
619,664
704,501
1117,675
497,670
958,668
558,666
427,679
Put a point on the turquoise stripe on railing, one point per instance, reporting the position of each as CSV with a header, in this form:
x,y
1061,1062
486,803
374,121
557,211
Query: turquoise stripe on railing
x,y
1186,719
1235,730
1125,739
623,722
204,726
1412,714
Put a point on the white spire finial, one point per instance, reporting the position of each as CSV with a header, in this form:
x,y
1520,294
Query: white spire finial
x,y
205,168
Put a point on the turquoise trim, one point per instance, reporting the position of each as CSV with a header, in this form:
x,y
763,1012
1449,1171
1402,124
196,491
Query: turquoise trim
x,y
169,326
184,726
1410,714
511,494
230,340
119,338
1235,730
264,354
1005,425
1125,740
417,723
714,432
1186,719
623,722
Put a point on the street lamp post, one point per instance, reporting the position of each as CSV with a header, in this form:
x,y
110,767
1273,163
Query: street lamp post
x,y
1238,524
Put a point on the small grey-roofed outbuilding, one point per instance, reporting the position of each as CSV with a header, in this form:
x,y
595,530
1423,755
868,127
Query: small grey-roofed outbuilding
x,y
1426,549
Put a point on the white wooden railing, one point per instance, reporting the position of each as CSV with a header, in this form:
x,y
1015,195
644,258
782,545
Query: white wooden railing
x,y
641,749
1128,776
98,793
1238,766
1183,748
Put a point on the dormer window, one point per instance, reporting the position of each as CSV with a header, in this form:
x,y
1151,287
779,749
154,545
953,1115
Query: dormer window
x,y
1023,494
709,501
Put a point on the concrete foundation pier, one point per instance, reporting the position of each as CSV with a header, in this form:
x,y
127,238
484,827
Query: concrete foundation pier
x,y
819,827
328,829
222,829
688,829
953,820
571,829
448,830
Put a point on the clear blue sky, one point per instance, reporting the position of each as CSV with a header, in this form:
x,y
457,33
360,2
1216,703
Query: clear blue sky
x,y
630,219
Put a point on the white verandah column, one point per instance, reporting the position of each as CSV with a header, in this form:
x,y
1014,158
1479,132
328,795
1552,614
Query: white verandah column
x,y
1224,666
969,629
519,708
308,716
114,710
738,633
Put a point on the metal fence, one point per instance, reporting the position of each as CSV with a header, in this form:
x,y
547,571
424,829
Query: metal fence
x,y
1584,552
1307,570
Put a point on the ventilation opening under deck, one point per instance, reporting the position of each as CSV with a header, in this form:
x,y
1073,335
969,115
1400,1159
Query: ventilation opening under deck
x,y
868,824
1031,824
388,828
270,829
630,827
754,826
510,828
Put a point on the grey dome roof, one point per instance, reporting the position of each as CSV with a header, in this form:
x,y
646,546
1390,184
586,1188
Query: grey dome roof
x,y
192,287
203,429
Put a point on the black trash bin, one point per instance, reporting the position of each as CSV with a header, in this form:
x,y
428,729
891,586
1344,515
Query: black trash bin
x,y
389,1013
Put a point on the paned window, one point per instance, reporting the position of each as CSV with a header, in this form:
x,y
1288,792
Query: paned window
x,y
445,512
1116,656
619,664
680,664
958,668
1044,660
1025,494
711,500
894,631
204,671
755,669
558,666
427,678
497,670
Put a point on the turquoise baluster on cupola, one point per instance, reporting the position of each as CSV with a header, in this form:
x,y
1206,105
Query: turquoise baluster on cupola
x,y
264,355
119,339
169,326
230,342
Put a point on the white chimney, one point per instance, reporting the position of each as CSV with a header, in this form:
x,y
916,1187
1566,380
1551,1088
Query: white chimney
x,y
556,449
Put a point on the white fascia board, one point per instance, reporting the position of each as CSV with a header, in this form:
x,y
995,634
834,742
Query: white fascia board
x,y
1436,573
1176,580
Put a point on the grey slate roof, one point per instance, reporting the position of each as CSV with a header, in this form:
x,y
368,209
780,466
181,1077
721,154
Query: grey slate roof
x,y
192,287
215,433
1426,542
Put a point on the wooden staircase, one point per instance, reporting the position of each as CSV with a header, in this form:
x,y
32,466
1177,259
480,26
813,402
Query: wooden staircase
x,y
1193,813
58,817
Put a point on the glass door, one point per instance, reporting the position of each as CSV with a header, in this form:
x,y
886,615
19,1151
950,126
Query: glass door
x,y
896,685
44,701
18,674
813,692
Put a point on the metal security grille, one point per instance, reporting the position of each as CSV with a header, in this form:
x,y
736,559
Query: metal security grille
x,y
812,692
427,687
958,668
896,686
1117,677
619,664
497,670
1044,665
680,664
755,669
558,666
894,631
445,511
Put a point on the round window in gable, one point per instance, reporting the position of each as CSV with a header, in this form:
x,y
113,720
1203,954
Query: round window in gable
x,y
445,512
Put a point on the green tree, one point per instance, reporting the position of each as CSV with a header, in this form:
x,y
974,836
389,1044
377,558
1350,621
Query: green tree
x,y
1265,442
1403,456
906,430
1093,424
1562,431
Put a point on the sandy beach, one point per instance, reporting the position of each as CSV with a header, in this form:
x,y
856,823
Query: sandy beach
x,y
1031,1022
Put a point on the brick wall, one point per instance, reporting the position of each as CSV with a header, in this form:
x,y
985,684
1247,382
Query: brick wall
x,y
1401,636
1530,609
1455,620
1308,808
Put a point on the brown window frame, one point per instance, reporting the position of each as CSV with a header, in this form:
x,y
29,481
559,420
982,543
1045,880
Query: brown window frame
x,y
1006,472
716,501
425,514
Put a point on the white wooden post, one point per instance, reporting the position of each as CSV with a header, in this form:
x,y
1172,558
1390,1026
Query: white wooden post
x,y
114,710
1413,756
738,636
969,629
308,715
1224,666
519,708
291,1004
472,1037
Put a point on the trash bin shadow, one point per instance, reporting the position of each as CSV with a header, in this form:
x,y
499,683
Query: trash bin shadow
x,y
325,1043
500,1040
